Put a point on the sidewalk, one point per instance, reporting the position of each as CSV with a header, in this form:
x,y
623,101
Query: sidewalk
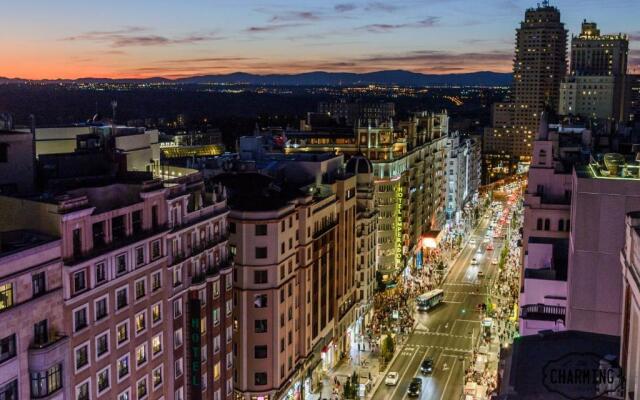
x,y
364,362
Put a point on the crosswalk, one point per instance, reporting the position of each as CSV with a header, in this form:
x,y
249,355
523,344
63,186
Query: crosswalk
x,y
428,333
410,349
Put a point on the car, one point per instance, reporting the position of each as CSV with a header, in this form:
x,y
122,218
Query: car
x,y
479,251
480,274
490,247
427,366
474,261
494,261
472,241
391,379
415,387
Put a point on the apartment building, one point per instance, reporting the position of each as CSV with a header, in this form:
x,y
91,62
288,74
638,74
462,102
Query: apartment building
x,y
35,360
603,192
128,302
629,332
294,275
408,163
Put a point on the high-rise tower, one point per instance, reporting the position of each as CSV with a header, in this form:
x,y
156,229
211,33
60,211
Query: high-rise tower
x,y
539,66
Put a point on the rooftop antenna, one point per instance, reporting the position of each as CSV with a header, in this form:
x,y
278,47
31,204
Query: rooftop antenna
x,y
114,105
545,3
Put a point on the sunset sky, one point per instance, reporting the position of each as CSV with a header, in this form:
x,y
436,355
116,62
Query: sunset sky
x,y
144,38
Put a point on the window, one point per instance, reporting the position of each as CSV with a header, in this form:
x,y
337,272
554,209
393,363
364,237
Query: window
x,y
123,367
118,228
177,308
547,224
156,251
156,313
260,277
216,316
203,354
203,325
216,371
260,301
216,344
101,273
232,227
216,289
7,348
229,307
101,308
179,394
261,230
104,380
141,322
40,332
46,382
121,264
6,296
154,217
177,367
261,252
156,345
82,390
79,282
102,345
229,386
202,296
141,355
122,298
177,338
38,284
260,325
77,242
4,155
229,334
260,378
156,281
229,360
80,318
139,256
177,276
126,395
98,234
156,377
539,224
136,221
141,288
282,295
260,351
282,248
81,356
141,388
227,282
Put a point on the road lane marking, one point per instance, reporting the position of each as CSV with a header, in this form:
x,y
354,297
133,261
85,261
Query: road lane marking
x,y
404,374
444,389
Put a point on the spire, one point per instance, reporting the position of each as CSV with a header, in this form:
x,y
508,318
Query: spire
x,y
543,130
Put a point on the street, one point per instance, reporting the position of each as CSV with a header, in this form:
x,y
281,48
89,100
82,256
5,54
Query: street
x,y
446,333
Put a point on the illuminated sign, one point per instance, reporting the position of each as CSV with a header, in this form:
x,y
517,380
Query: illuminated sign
x,y
398,223
195,344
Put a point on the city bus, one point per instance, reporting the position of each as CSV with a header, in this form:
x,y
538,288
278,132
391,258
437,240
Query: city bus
x,y
428,300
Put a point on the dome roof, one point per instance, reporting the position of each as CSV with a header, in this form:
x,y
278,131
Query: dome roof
x,y
359,164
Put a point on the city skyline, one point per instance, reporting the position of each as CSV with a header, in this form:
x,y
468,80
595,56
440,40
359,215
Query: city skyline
x,y
146,40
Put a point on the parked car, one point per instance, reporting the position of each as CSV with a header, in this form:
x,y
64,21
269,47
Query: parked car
x,y
415,387
391,379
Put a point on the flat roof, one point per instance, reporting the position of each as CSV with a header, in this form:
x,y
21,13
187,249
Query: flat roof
x,y
19,240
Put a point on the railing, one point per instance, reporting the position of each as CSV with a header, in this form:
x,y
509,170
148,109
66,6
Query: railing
x,y
543,312
43,343
209,271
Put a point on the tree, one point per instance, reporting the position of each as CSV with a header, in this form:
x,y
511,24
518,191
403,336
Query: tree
x,y
381,286
387,348
347,389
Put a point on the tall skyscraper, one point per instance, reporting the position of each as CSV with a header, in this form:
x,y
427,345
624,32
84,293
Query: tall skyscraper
x,y
595,87
540,64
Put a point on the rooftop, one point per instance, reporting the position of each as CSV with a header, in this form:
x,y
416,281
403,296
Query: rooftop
x,y
531,354
19,240
612,166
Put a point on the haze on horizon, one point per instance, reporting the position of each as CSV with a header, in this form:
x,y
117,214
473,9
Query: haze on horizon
x,y
41,39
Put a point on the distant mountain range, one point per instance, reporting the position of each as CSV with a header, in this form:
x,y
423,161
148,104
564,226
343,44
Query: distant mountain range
x,y
317,78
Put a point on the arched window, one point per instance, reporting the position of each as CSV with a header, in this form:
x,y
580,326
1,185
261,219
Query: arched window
x,y
547,224
561,225
567,226
539,224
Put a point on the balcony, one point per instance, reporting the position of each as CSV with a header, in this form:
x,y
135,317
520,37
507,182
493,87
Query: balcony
x,y
199,248
199,278
543,312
